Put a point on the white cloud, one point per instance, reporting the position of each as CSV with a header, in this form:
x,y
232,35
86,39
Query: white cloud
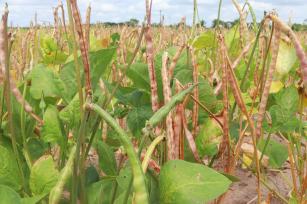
x,y
22,11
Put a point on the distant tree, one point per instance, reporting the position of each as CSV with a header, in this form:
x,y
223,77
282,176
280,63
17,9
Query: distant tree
x,y
202,23
221,23
299,27
233,23
133,22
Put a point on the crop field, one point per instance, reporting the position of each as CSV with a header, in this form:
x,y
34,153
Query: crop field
x,y
149,113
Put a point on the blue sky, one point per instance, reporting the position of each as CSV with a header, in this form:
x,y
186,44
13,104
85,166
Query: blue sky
x,y
22,11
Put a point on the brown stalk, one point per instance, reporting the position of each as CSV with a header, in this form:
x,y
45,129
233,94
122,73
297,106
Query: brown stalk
x,y
174,61
268,82
56,33
24,53
14,89
171,153
243,25
195,94
83,46
177,124
63,15
190,138
88,26
258,62
239,100
225,144
292,169
150,59
4,67
243,53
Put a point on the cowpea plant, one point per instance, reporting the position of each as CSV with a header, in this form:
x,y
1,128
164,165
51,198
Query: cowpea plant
x,y
126,114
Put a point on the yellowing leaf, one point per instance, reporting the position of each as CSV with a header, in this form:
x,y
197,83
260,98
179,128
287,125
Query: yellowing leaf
x,y
247,162
276,86
286,58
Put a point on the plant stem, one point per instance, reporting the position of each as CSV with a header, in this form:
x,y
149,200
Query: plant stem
x,y
141,194
23,131
75,54
4,62
150,150
76,165
57,190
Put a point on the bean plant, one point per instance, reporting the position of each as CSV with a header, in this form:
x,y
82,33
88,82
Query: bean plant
x,y
91,113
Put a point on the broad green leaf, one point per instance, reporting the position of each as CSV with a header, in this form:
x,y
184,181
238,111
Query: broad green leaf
x,y
91,175
43,176
45,82
51,53
130,96
205,40
288,99
207,139
100,192
106,159
285,59
99,61
9,172
36,147
8,196
71,113
283,120
32,200
124,177
138,73
183,182
51,130
137,117
276,152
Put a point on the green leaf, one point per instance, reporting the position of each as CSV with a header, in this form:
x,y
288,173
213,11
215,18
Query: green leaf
x,y
232,35
36,147
205,40
138,73
124,177
285,59
106,158
206,93
288,99
99,61
33,199
283,120
91,175
51,130
45,82
183,182
9,172
100,192
206,141
43,176
276,152
232,40
137,117
71,113
51,53
8,196
283,114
